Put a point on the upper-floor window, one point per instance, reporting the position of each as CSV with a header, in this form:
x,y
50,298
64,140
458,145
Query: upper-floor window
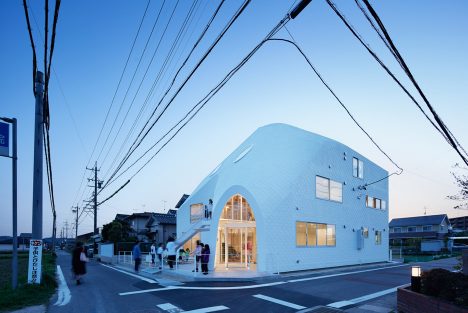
x,y
427,228
397,229
375,203
411,229
328,189
358,168
196,212
365,232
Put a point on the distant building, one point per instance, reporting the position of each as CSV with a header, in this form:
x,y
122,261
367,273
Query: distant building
x,y
429,230
150,226
459,223
287,199
161,226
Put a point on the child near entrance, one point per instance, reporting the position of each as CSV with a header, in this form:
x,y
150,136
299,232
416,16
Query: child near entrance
x,y
197,253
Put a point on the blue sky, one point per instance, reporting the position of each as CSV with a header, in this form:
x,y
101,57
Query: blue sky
x,y
276,85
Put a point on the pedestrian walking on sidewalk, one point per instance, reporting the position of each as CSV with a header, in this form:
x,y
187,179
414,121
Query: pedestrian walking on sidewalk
x,y
160,252
79,260
153,253
171,252
205,259
136,255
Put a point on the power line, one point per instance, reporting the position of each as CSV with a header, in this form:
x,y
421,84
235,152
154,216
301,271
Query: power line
x,y
442,130
32,44
167,60
452,140
216,89
139,140
150,93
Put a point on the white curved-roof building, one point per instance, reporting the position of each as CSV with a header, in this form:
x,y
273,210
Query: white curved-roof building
x,y
287,199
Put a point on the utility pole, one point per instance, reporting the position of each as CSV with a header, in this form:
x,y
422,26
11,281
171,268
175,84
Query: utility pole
x,y
38,150
75,209
97,184
66,230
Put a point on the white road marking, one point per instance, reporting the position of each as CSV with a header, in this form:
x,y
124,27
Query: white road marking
x,y
201,288
210,309
278,301
173,309
342,274
355,301
151,281
247,286
64,294
146,290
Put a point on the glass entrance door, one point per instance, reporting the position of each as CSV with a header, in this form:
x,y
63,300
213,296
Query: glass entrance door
x,y
237,245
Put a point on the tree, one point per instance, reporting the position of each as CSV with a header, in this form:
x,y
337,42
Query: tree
x,y
462,196
116,231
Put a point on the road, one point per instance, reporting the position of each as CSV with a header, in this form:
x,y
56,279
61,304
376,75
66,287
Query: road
x,y
106,290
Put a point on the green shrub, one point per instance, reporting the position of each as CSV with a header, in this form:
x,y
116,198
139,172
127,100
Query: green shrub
x,y
446,285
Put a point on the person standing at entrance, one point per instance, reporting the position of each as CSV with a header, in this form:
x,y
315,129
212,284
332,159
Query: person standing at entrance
x,y
205,259
171,252
136,255
153,253
197,254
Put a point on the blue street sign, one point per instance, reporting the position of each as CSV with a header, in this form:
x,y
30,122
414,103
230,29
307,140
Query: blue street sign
x,y
4,137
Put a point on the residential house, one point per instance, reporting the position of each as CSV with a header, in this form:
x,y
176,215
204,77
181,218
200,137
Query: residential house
x,y
161,226
430,230
287,199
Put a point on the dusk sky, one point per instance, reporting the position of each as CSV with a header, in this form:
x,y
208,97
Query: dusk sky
x,y
93,42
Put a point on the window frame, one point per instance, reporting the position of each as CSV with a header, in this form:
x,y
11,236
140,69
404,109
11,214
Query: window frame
x,y
412,231
327,230
378,237
358,168
424,226
195,218
329,185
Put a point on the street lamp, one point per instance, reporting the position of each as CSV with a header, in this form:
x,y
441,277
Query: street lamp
x,y
416,278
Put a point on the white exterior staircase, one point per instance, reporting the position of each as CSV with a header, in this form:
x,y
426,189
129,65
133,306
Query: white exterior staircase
x,y
202,224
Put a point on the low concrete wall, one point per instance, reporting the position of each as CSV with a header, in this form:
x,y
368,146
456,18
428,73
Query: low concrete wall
x,y
413,302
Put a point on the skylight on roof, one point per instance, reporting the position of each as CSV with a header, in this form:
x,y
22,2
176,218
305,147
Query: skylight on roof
x,y
243,154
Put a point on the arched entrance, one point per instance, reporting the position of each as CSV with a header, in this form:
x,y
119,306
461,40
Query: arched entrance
x,y
237,244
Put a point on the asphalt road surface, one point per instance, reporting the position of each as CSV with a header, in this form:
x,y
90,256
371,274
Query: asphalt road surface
x,y
105,289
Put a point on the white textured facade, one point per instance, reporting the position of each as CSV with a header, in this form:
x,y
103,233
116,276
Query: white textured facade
x,y
275,171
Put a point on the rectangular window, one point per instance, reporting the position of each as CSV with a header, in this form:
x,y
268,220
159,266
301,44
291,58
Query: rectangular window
x,y
411,229
196,212
331,236
328,189
321,234
375,203
365,232
378,237
311,234
358,168
301,234
397,230
336,191
314,234
427,228
322,188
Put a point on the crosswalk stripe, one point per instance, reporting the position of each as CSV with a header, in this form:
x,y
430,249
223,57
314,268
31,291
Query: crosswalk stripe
x,y
278,301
